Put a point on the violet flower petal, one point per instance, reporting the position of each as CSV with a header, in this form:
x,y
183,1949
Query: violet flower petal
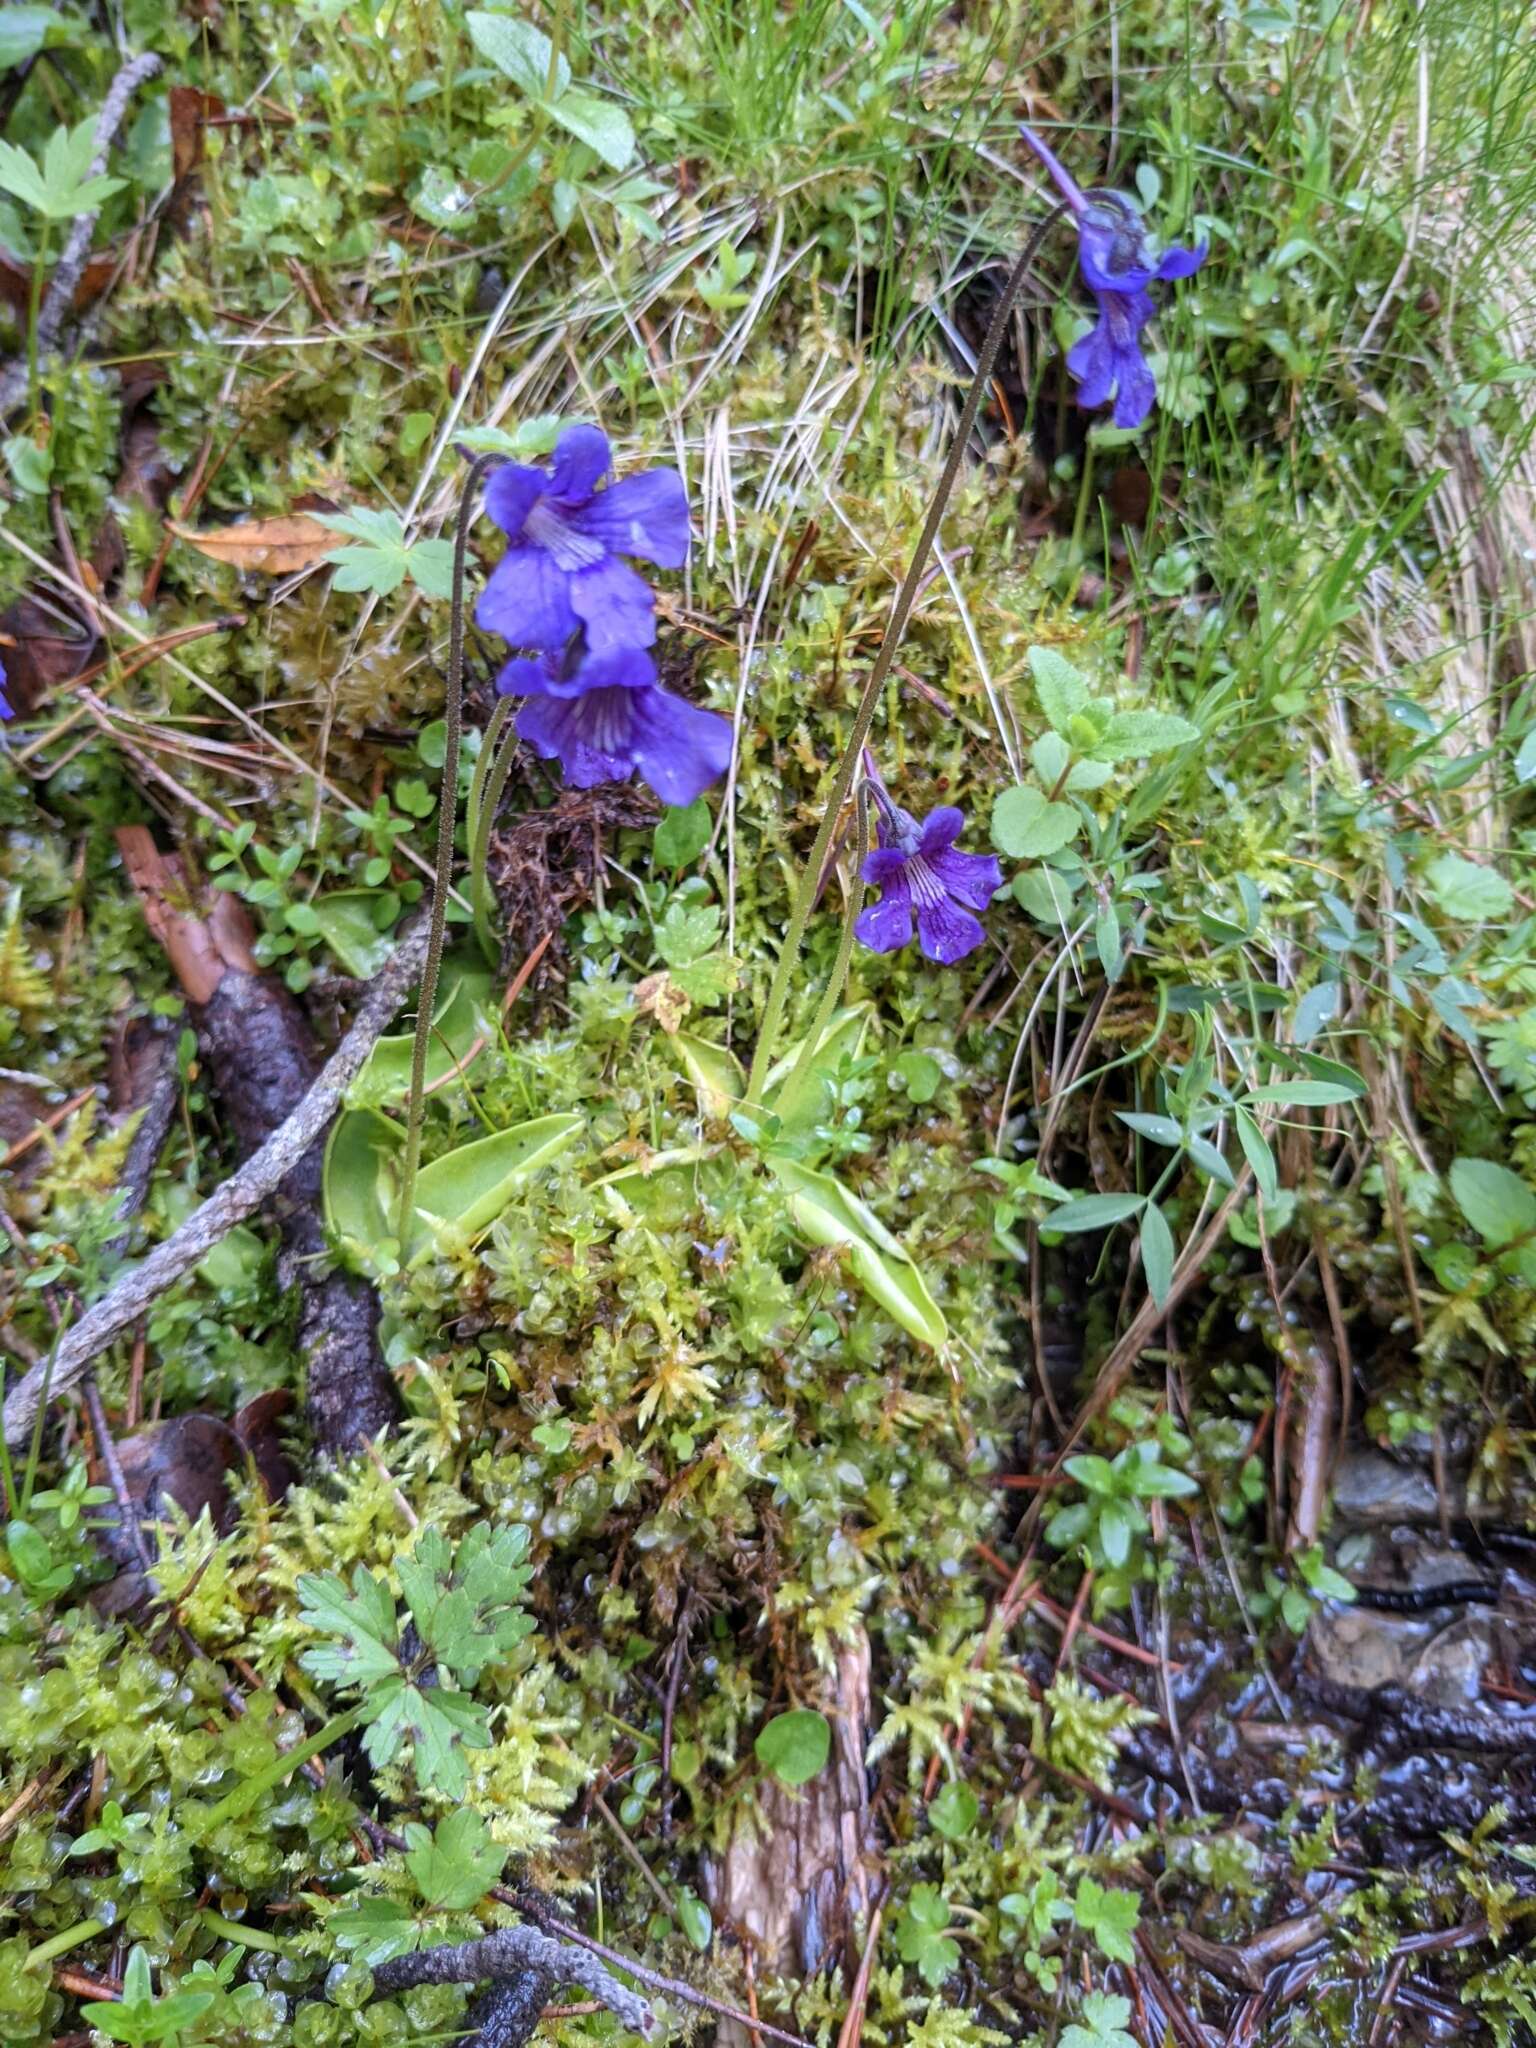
x,y
510,495
886,926
582,459
678,748
972,878
946,932
615,604
527,600
645,514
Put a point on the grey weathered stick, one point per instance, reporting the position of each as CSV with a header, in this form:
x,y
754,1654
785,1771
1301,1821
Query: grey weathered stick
x,y
508,2015
509,1953
67,271
240,1196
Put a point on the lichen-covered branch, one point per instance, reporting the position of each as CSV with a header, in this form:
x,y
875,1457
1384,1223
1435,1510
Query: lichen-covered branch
x,y
511,1952
67,271
240,1196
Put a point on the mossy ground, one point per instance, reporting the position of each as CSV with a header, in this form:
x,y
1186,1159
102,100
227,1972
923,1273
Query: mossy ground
x,y
1319,550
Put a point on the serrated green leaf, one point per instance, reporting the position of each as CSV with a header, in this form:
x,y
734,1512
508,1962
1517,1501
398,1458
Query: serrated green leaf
x,y
1063,692
1110,1917
1132,735
954,1812
20,176
375,1931
1050,757
361,1622
1468,891
1106,2016
454,1864
920,1936
430,563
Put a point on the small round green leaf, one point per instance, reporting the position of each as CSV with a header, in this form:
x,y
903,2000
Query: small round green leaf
x,y
693,1917
795,1746
953,1813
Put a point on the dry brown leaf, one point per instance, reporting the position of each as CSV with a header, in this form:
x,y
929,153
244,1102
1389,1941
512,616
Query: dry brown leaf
x,y
276,547
191,111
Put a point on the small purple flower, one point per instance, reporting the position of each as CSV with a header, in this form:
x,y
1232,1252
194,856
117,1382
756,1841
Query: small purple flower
x,y
7,708
604,718
1119,261
919,871
561,573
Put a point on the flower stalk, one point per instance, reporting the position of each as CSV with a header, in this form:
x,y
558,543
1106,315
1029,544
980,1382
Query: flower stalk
x,y
880,668
447,813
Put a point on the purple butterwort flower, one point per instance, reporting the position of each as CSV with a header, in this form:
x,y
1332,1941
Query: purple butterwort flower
x,y
604,718
1120,260
561,572
919,871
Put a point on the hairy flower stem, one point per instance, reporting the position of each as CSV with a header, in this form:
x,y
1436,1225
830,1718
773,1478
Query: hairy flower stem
x,y
896,626
491,772
839,975
447,813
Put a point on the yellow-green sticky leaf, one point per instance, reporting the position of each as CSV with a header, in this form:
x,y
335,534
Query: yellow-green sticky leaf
x,y
802,1108
467,1189
827,1213
714,1070
361,1174
464,1013
664,1190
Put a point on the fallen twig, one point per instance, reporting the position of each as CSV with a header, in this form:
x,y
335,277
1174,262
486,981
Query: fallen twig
x,y
60,295
240,1196
512,1952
